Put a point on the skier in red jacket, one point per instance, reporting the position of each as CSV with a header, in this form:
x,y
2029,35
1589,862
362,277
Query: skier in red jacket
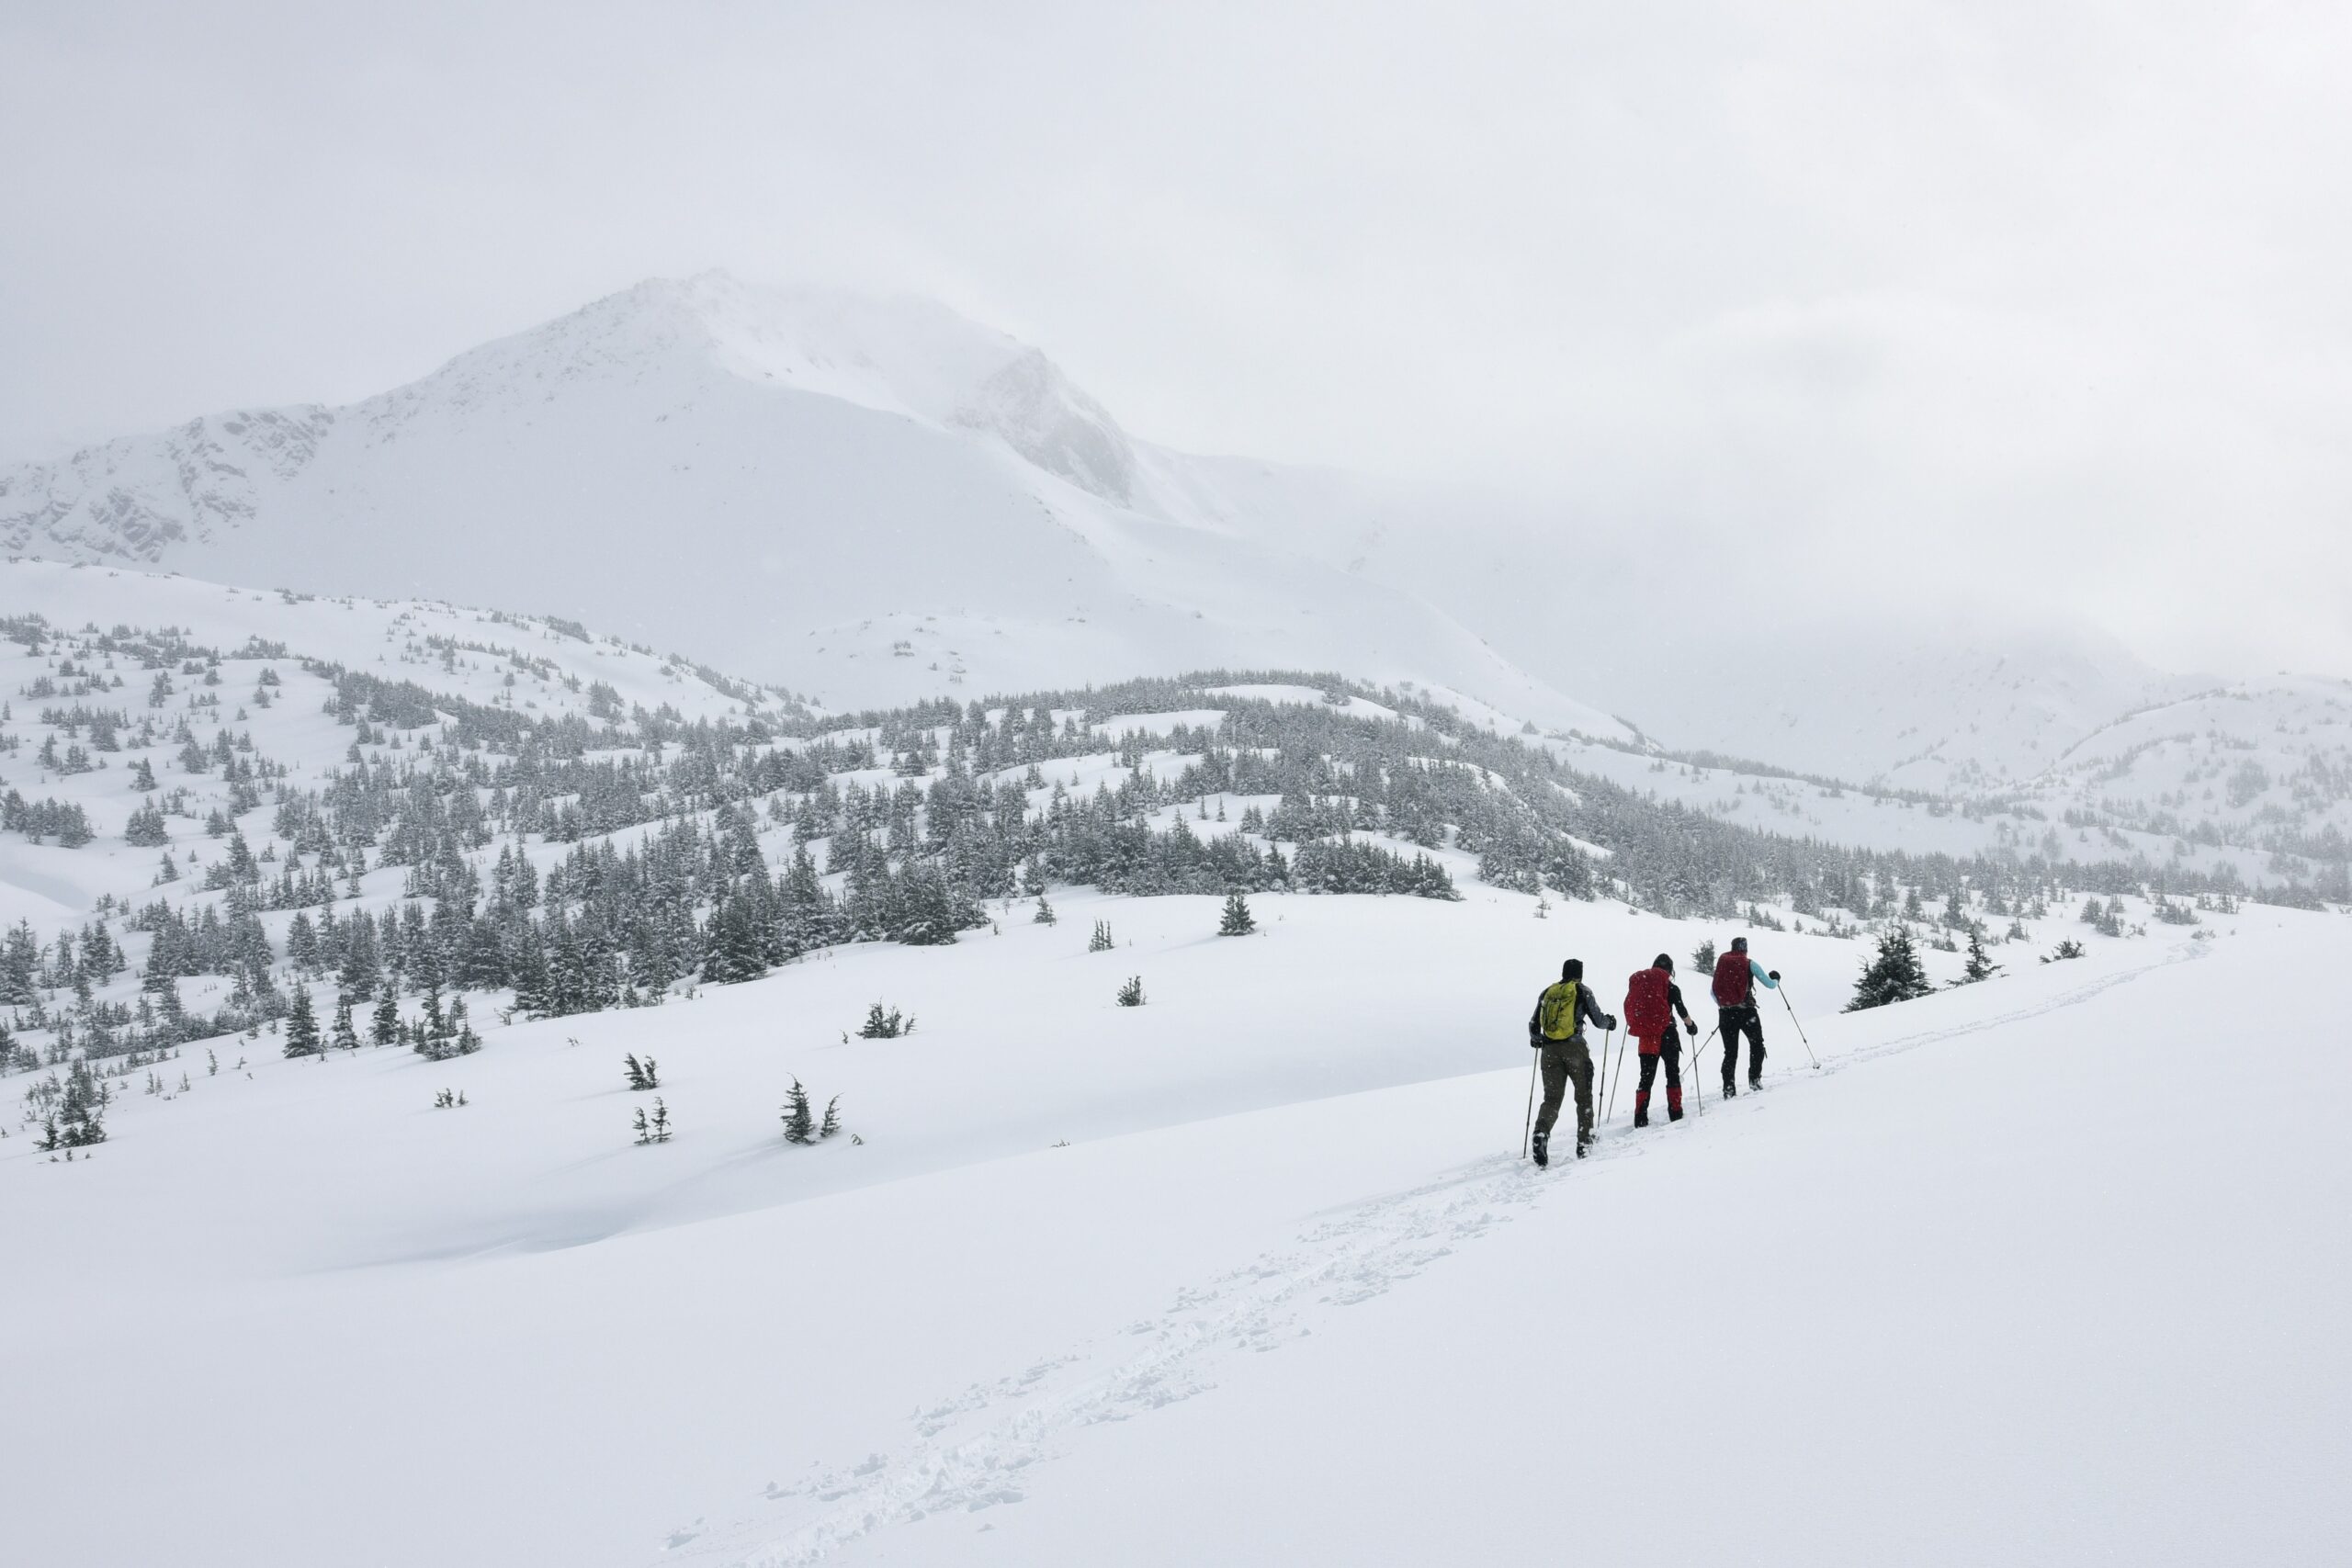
x,y
1653,1002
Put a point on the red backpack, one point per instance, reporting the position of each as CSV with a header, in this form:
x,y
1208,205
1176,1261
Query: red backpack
x,y
1647,1012
1733,983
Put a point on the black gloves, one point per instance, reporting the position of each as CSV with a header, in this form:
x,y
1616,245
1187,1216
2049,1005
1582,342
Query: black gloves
x,y
1776,974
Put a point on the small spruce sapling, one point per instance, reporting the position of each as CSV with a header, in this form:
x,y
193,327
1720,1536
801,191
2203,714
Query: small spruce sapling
x,y
1045,915
2067,949
303,1026
1237,920
1703,957
881,1025
1131,994
642,1075
799,1124
644,1131
1101,940
832,1122
1980,965
80,1120
660,1126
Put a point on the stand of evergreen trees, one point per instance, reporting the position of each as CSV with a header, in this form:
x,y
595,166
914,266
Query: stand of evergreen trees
x,y
897,825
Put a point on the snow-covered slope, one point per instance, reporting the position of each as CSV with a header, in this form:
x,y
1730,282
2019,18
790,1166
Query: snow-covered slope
x,y
1914,708
1249,1273
869,500
2267,764
877,500
1719,650
1212,1280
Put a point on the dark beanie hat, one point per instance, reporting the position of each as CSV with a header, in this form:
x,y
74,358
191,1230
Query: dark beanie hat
x,y
1572,970
1666,962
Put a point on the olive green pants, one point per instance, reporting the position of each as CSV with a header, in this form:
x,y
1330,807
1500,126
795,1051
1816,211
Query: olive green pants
x,y
1566,1062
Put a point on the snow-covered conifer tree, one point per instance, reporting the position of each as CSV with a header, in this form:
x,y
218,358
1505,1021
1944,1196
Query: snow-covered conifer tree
x,y
302,1025
1896,975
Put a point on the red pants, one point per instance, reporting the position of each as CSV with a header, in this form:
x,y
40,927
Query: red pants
x,y
1669,1051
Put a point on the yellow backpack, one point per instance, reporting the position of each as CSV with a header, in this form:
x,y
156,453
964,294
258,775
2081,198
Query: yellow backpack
x,y
1557,1013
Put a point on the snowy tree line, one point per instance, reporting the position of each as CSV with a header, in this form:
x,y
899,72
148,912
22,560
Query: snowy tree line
x,y
896,826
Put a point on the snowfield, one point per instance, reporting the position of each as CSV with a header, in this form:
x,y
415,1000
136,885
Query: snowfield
x,y
2042,1269
2002,1281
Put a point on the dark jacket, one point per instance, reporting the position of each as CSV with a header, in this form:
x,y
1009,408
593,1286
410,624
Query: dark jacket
x,y
1588,1011
1674,1000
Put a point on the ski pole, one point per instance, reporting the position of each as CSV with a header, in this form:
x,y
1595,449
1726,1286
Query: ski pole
x,y
1808,1044
1527,1134
1615,1073
1600,1089
1600,1083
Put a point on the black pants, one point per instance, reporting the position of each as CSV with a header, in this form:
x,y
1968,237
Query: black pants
x,y
1737,1022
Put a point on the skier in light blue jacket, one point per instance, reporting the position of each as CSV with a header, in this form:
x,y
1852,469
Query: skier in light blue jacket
x,y
1737,977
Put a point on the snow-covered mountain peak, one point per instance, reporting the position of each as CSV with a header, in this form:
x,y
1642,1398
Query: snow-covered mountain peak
x,y
896,354
870,498
915,357
628,336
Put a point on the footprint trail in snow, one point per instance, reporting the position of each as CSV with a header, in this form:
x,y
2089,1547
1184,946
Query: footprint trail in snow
x,y
973,1449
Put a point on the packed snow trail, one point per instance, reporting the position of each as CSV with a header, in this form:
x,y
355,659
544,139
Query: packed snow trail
x,y
983,1446
1041,1172
2023,1297
1343,1260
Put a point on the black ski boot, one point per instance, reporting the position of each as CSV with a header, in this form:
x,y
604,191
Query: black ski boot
x,y
1584,1142
1541,1150
1731,1089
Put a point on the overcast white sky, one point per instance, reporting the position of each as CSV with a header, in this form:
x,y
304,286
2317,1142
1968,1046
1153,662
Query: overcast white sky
x,y
2041,305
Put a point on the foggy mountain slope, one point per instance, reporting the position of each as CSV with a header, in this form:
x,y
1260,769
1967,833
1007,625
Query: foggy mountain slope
x,y
875,500
1705,649
1917,708
2265,764
871,500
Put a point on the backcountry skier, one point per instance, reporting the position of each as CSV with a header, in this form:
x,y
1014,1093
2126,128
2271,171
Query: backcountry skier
x,y
1653,1002
1556,1029
1737,977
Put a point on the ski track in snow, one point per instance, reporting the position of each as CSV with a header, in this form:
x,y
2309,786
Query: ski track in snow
x,y
2188,952
975,1449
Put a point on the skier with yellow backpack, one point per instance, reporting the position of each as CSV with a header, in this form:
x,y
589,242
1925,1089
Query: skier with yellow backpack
x,y
1556,1029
